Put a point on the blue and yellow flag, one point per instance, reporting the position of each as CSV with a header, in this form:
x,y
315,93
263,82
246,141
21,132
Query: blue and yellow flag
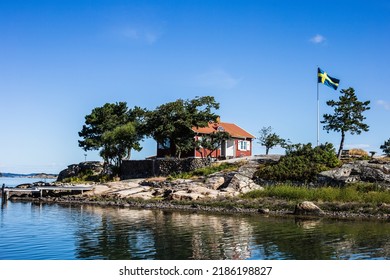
x,y
325,79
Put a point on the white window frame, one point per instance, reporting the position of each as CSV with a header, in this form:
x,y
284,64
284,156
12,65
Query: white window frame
x,y
244,145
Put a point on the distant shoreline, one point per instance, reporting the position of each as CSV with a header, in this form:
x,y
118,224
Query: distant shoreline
x,y
31,175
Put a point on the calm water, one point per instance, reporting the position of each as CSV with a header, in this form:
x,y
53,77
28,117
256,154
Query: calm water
x,y
42,231
13,182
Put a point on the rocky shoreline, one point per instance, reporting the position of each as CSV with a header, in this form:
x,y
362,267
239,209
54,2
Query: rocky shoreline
x,y
221,192
203,207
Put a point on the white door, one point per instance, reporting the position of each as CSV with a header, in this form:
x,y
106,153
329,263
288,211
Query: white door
x,y
230,148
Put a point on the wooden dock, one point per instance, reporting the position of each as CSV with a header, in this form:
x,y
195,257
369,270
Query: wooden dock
x,y
5,192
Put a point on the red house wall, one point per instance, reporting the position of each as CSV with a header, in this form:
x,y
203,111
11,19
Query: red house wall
x,y
239,153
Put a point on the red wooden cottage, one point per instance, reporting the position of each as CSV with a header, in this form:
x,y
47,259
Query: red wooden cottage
x,y
239,145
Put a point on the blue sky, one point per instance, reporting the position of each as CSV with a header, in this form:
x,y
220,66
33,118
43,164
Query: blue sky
x,y
60,59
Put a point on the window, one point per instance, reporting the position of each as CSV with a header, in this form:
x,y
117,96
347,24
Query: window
x,y
199,140
243,145
165,145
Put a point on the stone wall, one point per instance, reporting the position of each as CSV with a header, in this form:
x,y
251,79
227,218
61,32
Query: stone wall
x,y
160,167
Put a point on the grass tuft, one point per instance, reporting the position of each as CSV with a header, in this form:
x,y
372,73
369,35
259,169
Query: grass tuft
x,y
369,193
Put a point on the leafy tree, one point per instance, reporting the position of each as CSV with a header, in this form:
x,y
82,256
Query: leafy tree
x,y
386,147
119,142
269,139
114,130
171,124
347,116
301,163
211,142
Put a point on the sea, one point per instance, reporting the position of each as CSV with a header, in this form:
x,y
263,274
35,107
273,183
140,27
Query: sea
x,y
42,231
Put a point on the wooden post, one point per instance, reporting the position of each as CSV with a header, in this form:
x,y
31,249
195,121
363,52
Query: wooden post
x,y
3,195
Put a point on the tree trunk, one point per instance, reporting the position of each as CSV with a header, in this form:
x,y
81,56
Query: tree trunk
x,y
341,144
266,150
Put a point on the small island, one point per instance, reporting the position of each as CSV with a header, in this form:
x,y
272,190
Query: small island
x,y
204,164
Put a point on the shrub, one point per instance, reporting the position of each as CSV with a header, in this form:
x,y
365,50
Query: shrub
x,y
386,147
88,176
302,162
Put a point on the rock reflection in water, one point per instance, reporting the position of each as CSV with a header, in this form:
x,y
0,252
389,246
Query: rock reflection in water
x,y
146,234
158,234
64,231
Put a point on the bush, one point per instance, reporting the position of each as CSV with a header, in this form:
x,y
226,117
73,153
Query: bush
x,y
88,176
386,147
301,163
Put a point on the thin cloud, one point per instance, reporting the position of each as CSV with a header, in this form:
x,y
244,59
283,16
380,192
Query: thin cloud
x,y
384,104
217,78
130,33
139,34
318,39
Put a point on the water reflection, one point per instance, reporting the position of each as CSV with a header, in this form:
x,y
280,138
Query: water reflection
x,y
89,232
145,234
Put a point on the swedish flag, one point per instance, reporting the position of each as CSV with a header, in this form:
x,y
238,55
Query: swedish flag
x,y
325,79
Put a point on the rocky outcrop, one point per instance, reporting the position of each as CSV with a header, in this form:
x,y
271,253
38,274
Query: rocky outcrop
x,y
92,168
373,171
235,182
217,185
242,184
215,181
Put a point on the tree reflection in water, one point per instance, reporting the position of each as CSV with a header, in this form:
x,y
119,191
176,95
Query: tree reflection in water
x,y
117,233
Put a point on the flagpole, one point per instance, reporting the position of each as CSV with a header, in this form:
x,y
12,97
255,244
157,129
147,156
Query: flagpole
x,y
318,112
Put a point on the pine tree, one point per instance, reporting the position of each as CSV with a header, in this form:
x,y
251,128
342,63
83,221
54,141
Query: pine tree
x,y
386,147
347,115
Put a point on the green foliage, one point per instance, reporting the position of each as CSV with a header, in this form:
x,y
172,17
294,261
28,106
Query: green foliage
x,y
205,171
211,142
302,162
171,123
347,115
88,176
270,140
119,142
114,130
386,147
364,193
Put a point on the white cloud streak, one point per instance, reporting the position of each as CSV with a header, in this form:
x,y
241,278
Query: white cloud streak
x,y
217,78
384,104
318,39
140,35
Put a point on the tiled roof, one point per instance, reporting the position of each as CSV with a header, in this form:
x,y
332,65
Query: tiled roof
x,y
231,128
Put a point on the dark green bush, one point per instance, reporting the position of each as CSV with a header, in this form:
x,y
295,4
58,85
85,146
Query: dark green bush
x,y
301,163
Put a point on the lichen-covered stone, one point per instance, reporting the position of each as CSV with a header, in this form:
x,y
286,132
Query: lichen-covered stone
x,y
307,207
358,171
